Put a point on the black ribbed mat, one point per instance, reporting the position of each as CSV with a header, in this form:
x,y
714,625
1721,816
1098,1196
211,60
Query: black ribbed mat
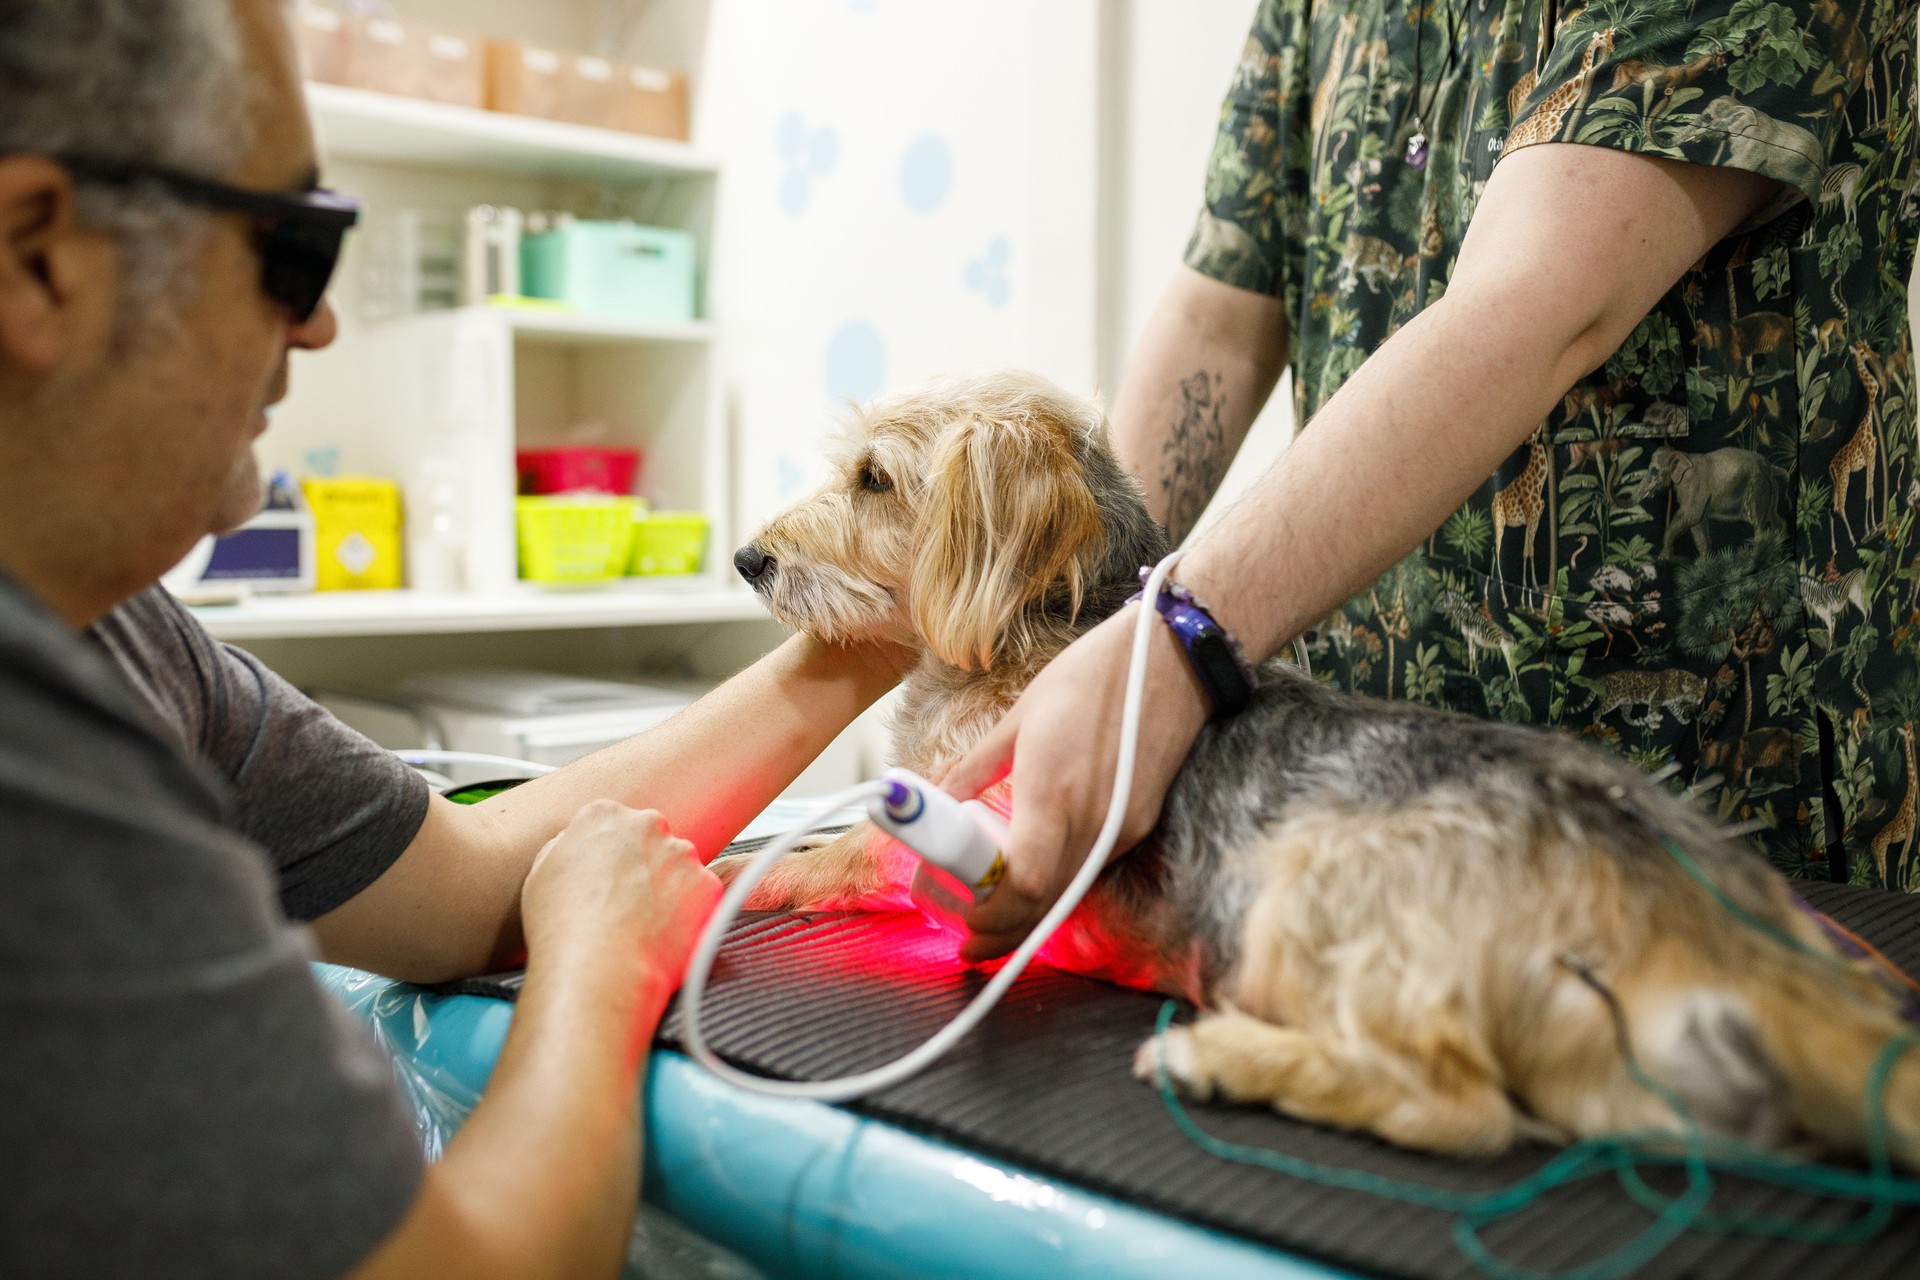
x,y
1045,1084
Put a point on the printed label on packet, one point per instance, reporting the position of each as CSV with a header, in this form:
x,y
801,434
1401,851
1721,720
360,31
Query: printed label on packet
x,y
994,873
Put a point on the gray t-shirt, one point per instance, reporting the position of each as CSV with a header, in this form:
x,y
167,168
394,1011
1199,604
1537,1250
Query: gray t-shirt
x,y
181,1098
331,808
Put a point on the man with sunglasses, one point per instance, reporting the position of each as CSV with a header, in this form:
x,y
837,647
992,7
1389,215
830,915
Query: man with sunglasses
x,y
181,1098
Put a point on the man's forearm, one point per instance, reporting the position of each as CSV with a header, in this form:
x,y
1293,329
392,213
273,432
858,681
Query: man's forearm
x,y
542,1178
714,766
1403,444
1569,249
555,1141
450,906
1204,367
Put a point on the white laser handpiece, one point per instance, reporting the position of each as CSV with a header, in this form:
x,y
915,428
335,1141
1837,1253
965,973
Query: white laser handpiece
x,y
961,837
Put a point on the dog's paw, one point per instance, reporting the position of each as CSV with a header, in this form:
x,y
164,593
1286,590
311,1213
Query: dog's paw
x,y
831,872
773,893
729,867
1175,1049
782,893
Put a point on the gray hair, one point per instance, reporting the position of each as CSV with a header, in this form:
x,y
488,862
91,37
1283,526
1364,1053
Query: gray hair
x,y
157,81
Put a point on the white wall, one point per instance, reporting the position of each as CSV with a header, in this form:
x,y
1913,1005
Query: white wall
x,y
1166,69
1074,135
908,190
1076,132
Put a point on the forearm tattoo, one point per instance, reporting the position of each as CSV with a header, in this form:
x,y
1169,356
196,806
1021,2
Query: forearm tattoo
x,y
1194,457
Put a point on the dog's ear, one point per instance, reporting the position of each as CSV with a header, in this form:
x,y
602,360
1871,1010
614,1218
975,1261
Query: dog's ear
x,y
1006,517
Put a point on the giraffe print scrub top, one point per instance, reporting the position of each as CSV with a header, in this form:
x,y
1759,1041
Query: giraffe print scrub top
x,y
1707,554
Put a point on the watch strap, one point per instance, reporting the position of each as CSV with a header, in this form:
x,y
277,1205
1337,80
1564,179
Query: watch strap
x,y
1214,653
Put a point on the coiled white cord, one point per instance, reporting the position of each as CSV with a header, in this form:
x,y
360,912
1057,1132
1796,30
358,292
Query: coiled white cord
x,y
906,1066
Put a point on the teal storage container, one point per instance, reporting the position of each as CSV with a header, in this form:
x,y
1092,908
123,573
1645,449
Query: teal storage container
x,y
620,270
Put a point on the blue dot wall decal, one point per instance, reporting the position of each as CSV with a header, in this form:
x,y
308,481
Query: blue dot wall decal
x,y
822,150
926,173
805,154
795,186
987,274
856,362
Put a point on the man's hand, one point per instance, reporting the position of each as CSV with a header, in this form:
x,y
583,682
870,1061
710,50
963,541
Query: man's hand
x,y
1061,741
617,878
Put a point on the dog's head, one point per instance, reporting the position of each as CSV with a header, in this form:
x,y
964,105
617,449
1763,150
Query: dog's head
x,y
976,517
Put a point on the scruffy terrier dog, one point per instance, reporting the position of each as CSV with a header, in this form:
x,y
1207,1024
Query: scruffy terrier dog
x,y
1448,932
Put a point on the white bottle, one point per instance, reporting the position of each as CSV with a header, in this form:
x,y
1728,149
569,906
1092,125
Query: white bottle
x,y
436,527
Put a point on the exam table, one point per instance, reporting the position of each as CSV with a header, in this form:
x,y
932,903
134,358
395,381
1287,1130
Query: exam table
x,y
1030,1150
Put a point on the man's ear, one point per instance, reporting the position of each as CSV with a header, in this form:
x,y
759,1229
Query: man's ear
x,y
43,256
1006,516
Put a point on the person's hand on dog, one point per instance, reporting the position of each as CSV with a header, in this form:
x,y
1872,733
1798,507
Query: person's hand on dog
x,y
617,880
1059,744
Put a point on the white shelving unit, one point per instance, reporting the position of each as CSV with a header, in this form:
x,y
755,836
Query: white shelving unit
x,y
558,327
525,608
466,387
452,393
355,124
462,389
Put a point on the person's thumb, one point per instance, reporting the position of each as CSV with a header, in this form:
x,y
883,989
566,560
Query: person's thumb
x,y
990,760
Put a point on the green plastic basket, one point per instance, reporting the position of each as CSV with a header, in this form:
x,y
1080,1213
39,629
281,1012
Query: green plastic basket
x,y
574,538
667,543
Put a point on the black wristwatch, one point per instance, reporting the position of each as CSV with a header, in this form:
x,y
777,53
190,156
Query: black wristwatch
x,y
1213,652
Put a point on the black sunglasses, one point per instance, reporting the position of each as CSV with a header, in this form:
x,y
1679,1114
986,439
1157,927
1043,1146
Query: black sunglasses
x,y
300,231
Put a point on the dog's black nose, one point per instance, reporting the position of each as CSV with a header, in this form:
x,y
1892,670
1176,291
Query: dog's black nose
x,y
752,562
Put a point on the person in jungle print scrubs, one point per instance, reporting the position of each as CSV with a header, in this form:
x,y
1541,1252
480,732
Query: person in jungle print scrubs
x,y
1655,255
1706,555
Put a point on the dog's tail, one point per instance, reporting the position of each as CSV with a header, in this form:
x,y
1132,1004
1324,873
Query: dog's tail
x,y
1825,1040
1774,1044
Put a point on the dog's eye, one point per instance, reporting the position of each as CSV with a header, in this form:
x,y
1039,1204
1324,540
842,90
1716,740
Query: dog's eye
x,y
874,480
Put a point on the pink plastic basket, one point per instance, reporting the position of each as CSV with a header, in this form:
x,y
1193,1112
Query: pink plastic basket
x,y
577,469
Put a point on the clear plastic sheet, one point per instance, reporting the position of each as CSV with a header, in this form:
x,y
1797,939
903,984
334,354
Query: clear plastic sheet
x,y
436,1079
400,1018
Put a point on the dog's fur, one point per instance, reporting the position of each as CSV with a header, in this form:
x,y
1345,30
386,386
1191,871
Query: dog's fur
x,y
1399,919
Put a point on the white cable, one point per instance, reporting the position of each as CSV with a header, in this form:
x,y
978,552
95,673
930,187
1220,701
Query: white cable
x,y
967,1019
433,755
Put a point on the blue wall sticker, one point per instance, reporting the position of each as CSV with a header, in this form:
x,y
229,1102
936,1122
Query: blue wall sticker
x,y
856,362
805,154
926,173
987,274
